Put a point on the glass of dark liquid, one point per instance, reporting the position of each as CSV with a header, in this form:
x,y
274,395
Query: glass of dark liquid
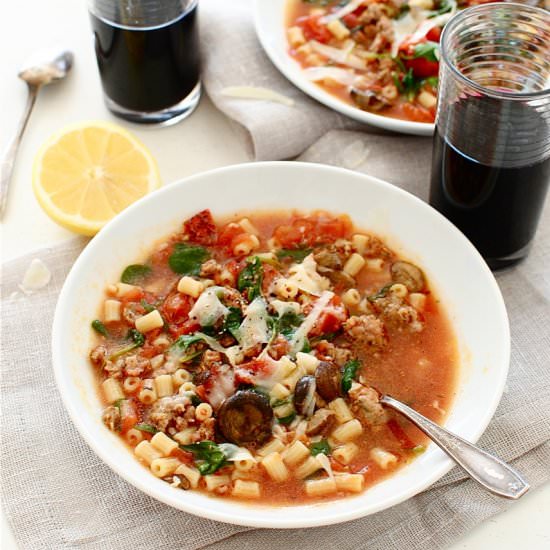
x,y
148,57
491,157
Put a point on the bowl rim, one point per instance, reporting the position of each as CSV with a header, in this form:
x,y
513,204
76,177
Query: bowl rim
x,y
239,516
314,91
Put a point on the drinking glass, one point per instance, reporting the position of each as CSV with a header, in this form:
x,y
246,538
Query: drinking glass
x,y
148,57
491,157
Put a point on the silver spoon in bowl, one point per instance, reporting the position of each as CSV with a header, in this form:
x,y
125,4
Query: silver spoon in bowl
x,y
36,74
488,470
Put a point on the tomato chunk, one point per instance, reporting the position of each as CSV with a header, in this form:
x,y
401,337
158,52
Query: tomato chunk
x,y
201,228
128,415
176,307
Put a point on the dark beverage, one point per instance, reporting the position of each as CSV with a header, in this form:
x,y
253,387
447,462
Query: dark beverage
x,y
147,68
492,182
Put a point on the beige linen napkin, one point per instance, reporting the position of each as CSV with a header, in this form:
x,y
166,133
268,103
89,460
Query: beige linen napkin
x,y
57,494
232,56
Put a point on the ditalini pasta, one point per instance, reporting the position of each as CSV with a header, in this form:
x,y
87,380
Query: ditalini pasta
x,y
240,357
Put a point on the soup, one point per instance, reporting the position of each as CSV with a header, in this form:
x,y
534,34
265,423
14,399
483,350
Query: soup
x,y
381,56
244,357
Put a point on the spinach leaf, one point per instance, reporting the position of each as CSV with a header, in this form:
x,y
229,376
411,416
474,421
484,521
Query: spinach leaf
x,y
135,337
195,400
99,327
320,447
350,370
307,346
233,321
297,254
147,306
149,428
380,294
427,50
184,342
289,322
134,273
187,259
250,278
208,455
287,419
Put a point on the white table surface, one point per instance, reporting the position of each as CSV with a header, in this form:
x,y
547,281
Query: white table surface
x,y
204,141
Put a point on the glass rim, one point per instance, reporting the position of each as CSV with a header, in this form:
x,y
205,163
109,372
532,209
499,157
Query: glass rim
x,y
458,18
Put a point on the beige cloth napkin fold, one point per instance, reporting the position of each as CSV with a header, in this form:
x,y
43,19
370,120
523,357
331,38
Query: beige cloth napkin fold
x,y
233,56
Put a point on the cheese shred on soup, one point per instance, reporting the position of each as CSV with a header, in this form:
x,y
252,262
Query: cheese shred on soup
x,y
244,358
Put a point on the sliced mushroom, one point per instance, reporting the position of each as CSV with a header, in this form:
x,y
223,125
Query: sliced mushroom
x,y
327,257
246,417
409,275
368,100
328,378
304,396
320,421
337,277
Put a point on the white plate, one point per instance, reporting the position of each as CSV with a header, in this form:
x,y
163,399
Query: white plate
x,y
270,28
411,227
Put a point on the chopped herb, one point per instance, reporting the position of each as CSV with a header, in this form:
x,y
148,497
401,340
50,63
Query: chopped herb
x,y
399,62
195,400
250,278
281,402
444,7
208,456
117,403
410,85
133,336
320,447
418,450
135,273
149,428
432,81
348,374
187,259
99,327
380,294
297,254
233,321
306,347
147,307
427,50
287,419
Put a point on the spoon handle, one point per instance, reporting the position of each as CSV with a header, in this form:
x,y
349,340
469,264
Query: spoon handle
x,y
490,471
8,161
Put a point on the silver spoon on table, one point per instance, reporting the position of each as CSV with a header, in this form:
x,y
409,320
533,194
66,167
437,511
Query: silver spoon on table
x,y
36,74
488,470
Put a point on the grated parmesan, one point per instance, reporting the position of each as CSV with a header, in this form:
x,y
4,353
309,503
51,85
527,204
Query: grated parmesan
x,y
252,92
36,277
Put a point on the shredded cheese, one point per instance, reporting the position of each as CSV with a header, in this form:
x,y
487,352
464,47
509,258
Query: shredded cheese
x,y
208,308
306,277
254,329
252,92
36,277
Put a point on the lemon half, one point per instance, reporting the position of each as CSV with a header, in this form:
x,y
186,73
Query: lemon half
x,y
86,173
